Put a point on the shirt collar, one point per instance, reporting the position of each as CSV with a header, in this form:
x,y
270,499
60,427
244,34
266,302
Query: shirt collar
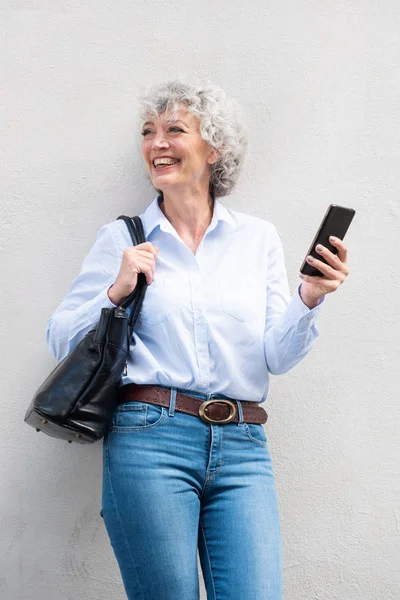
x,y
153,216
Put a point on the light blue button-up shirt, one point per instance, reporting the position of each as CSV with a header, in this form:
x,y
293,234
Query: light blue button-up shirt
x,y
218,321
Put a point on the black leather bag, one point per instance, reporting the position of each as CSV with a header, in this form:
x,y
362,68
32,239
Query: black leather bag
x,y
77,400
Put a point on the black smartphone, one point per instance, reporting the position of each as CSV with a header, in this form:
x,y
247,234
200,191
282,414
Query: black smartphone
x,y
336,222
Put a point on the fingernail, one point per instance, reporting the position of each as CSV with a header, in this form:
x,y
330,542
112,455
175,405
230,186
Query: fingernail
x,y
310,258
332,238
320,248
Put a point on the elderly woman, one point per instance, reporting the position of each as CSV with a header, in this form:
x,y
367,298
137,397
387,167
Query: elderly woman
x,y
186,461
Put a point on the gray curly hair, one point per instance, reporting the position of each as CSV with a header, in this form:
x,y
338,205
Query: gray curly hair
x,y
220,125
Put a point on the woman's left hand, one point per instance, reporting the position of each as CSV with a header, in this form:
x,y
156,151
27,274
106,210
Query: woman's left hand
x,y
335,272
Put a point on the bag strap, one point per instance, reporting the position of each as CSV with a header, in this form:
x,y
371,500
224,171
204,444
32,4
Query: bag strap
x,y
135,299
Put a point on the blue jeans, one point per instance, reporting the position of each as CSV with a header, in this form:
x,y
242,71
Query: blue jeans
x,y
174,485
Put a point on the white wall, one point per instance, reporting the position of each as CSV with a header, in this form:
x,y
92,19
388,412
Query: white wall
x,y
320,82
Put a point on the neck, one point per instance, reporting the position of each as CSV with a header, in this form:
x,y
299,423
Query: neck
x,y
189,215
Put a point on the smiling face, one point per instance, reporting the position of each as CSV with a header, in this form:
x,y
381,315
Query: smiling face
x,y
176,156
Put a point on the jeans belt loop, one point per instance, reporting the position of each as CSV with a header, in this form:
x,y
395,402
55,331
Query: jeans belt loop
x,y
168,397
172,400
240,411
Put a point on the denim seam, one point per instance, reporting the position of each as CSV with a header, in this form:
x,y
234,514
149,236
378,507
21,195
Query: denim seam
x,y
129,407
205,485
105,448
255,440
222,449
123,429
125,537
208,560
211,473
210,476
221,463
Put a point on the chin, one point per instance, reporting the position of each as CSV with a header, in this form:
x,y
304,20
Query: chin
x,y
162,183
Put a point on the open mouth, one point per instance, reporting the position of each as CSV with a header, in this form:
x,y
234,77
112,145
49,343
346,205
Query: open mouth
x,y
162,166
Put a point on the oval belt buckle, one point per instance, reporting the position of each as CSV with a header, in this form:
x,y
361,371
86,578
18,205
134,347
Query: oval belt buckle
x,y
207,419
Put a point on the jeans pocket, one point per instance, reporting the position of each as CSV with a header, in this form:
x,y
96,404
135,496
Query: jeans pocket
x,y
256,433
135,416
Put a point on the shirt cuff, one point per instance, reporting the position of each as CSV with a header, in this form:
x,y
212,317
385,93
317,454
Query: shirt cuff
x,y
100,301
299,314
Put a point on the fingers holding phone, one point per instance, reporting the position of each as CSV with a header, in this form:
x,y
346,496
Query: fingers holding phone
x,y
335,222
325,267
331,266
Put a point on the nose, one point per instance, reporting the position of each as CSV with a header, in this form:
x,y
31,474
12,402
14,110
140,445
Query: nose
x,y
159,141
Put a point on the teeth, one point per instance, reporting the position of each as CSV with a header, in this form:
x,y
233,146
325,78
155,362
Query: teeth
x,y
165,161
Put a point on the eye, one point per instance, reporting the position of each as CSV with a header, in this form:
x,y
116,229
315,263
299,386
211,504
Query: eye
x,y
146,131
176,129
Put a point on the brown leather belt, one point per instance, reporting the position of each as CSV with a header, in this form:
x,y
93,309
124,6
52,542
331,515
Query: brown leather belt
x,y
216,410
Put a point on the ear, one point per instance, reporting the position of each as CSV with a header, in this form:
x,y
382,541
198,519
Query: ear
x,y
213,157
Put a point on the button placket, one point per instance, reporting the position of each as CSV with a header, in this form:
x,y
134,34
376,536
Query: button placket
x,y
200,325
